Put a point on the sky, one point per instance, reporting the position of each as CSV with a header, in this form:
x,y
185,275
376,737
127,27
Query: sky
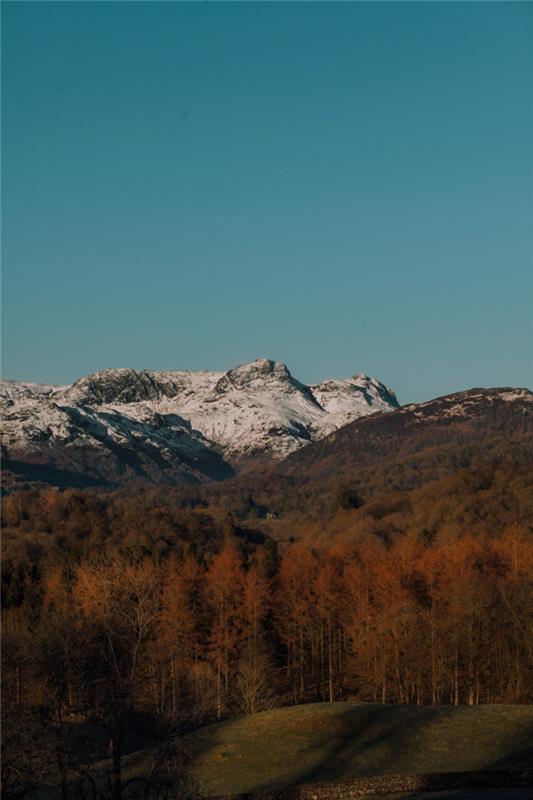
x,y
345,187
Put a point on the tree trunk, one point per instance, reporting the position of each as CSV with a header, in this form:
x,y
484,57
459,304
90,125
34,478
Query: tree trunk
x,y
116,764
330,666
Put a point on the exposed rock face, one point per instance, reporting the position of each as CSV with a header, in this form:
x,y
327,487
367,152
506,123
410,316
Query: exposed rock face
x,y
176,426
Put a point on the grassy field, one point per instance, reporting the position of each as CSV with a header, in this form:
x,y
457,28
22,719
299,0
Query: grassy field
x,y
339,741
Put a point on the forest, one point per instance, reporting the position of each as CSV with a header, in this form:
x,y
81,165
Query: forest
x,y
159,610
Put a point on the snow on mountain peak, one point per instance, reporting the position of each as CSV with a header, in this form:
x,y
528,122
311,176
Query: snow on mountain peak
x,y
262,371
254,410
348,399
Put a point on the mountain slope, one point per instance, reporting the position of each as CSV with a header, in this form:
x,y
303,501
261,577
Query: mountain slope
x,y
47,439
458,464
482,424
174,426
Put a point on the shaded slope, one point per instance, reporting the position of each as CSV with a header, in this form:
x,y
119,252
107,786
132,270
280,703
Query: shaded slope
x,y
479,424
339,741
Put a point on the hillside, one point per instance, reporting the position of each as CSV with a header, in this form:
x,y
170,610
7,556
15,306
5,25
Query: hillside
x,y
477,425
458,464
333,750
338,741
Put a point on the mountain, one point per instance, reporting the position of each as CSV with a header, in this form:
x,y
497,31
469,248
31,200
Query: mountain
x,y
426,440
174,426
455,465
48,437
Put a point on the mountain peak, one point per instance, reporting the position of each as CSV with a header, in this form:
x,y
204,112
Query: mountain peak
x,y
256,373
262,367
157,420
122,385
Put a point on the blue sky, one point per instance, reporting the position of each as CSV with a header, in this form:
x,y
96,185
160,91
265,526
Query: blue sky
x,y
346,187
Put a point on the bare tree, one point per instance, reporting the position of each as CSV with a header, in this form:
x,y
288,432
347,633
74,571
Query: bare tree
x,y
119,607
253,682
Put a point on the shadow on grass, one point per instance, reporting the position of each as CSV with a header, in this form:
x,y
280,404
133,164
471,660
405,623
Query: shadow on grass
x,y
379,740
365,729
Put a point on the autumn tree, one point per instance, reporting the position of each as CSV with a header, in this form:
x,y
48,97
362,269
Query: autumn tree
x,y
224,591
118,605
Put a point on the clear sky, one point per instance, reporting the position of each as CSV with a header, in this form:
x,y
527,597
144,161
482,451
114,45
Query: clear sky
x,y
346,187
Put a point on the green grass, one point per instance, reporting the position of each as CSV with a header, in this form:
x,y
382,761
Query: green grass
x,y
338,741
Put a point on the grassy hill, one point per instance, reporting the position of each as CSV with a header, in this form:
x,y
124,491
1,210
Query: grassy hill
x,y
339,741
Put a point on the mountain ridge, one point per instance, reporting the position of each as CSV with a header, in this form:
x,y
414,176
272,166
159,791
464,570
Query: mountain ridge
x,y
475,420
177,425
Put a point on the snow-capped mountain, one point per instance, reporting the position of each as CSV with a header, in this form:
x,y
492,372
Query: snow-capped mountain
x,y
175,426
